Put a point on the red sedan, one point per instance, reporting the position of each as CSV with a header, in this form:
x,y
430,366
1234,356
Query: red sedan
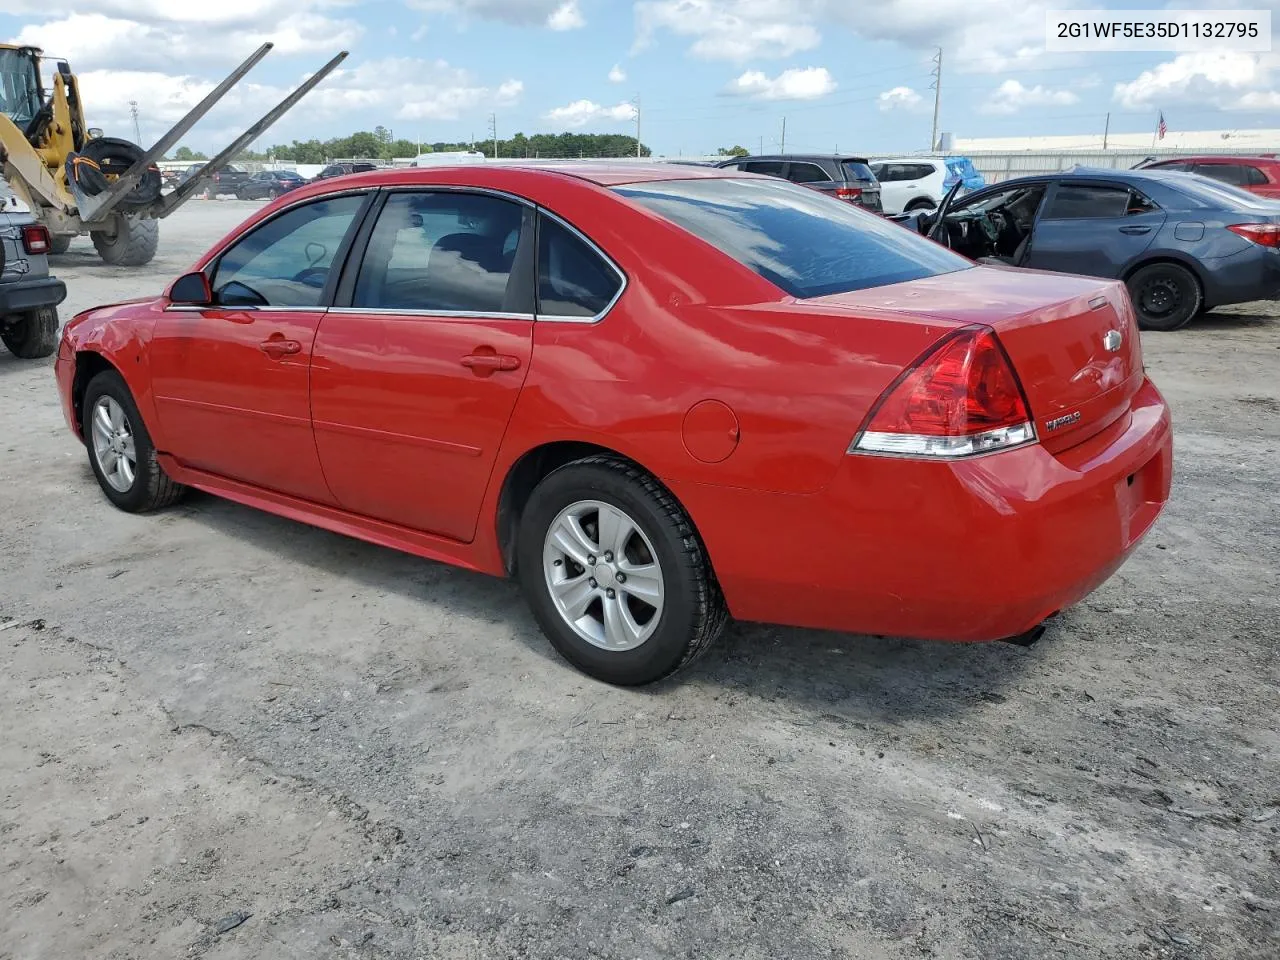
x,y
658,395
1260,175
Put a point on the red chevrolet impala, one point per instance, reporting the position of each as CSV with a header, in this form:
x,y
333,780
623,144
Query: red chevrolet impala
x,y
660,396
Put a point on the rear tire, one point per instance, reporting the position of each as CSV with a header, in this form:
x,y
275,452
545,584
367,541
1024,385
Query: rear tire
x,y
661,557
1165,296
31,335
134,244
60,244
113,430
920,205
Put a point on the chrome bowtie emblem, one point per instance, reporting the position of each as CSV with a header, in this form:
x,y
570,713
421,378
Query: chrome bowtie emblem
x,y
1112,340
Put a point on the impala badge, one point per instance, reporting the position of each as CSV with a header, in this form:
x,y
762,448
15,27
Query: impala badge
x,y
1112,340
1058,422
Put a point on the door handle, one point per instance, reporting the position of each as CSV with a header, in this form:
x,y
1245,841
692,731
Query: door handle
x,y
483,364
1134,229
278,347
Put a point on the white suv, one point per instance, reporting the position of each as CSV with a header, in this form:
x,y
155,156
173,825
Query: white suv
x,y
910,183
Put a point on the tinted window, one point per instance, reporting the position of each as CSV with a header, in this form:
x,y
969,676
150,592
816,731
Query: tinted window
x,y
285,262
1232,173
1079,202
918,171
1255,176
1183,167
573,280
807,173
443,252
856,170
772,167
795,237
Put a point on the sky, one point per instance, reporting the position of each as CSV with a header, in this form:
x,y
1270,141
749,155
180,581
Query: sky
x,y
844,75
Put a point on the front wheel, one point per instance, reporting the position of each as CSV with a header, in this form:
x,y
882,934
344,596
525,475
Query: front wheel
x,y
134,242
1165,296
31,335
121,453
615,572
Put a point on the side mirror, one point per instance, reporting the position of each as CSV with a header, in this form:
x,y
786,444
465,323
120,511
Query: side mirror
x,y
94,132
192,289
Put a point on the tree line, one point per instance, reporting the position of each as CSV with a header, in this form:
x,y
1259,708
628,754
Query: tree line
x,y
379,144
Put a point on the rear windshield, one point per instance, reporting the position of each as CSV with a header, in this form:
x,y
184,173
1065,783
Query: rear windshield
x,y
1214,193
807,244
857,170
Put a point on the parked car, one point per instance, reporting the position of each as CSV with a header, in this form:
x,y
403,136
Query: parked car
x,y
910,183
342,169
1260,175
843,177
1182,243
269,184
29,296
658,396
228,180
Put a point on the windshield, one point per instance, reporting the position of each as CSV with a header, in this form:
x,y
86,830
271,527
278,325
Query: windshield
x,y
801,241
857,170
19,87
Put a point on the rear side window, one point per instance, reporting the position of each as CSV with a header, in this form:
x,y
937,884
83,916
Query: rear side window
x,y
1232,173
918,171
794,237
1079,202
807,173
573,280
772,167
1254,176
857,170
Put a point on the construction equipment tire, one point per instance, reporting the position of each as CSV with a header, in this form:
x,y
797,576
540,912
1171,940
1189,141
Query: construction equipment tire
x,y
134,243
60,244
106,157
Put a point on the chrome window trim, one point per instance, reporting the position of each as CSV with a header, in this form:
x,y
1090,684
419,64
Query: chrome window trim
x,y
247,307
622,276
457,188
445,314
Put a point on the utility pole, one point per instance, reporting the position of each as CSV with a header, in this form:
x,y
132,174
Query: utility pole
x,y
1106,130
133,109
782,147
636,104
493,132
761,145
937,98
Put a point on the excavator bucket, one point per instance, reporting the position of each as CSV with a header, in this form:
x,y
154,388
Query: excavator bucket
x,y
97,208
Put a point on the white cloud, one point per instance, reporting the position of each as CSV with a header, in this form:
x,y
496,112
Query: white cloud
x,y
736,30
809,83
557,14
581,112
1224,79
617,74
1011,97
567,16
899,98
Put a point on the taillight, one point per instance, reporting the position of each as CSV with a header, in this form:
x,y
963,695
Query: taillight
x,y
848,193
960,398
1263,234
35,239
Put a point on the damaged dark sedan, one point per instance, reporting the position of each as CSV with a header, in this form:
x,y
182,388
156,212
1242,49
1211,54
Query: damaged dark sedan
x,y
1181,243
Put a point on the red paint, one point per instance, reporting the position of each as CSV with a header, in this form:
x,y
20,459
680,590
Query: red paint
x,y
401,429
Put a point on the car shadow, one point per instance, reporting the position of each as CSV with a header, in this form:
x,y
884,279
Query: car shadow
x,y
871,678
1235,319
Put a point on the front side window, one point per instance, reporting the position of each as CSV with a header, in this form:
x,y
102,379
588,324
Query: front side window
x,y
772,168
573,280
794,237
286,261
1080,202
444,252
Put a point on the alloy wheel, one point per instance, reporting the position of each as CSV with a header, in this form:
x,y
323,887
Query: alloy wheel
x,y
603,575
113,444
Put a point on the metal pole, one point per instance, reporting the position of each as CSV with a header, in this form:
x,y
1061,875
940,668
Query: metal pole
x,y
637,105
782,147
937,99
1106,130
493,129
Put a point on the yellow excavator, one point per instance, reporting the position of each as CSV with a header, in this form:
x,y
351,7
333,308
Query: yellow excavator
x,y
77,181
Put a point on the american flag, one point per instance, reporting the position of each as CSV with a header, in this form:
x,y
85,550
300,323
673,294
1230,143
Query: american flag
x,y
1161,129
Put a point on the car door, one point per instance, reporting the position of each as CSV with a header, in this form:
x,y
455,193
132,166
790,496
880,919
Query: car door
x,y
893,189
231,379
418,367
1093,228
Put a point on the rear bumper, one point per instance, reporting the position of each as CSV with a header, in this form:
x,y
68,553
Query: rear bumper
x,y
1252,274
981,549
23,295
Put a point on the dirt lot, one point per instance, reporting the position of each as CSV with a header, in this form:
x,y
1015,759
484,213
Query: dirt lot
x,y
213,713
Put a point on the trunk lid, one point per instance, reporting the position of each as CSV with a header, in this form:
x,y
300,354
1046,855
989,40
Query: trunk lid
x,y
1073,340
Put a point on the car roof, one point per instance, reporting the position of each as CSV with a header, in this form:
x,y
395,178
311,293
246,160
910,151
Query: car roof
x,y
857,158
1218,158
603,173
1133,177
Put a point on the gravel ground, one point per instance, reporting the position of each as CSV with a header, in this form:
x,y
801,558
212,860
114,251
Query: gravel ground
x,y
228,735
